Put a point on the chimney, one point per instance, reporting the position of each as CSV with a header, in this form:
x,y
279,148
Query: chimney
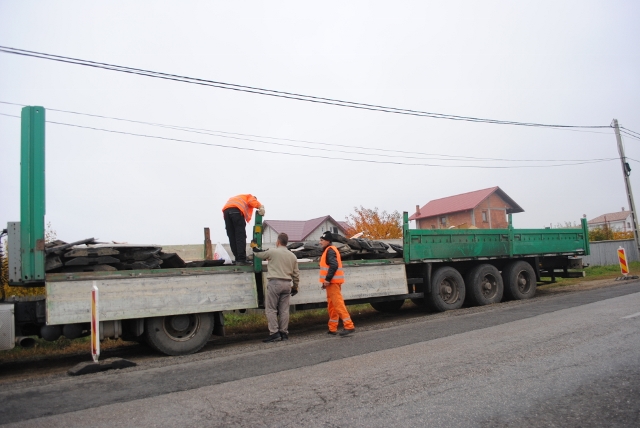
x,y
418,209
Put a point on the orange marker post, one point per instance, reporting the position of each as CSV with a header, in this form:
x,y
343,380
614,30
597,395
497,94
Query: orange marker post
x,y
622,258
95,324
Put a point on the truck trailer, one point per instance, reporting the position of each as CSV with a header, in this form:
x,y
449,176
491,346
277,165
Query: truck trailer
x,y
177,310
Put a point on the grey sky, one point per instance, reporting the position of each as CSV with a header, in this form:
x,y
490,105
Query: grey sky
x,y
568,62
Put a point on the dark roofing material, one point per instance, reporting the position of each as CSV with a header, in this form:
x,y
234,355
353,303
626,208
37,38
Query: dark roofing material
x,y
463,202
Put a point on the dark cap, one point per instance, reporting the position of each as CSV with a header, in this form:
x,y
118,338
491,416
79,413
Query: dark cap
x,y
327,236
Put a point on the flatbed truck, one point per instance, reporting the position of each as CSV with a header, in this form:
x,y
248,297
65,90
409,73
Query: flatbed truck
x,y
176,311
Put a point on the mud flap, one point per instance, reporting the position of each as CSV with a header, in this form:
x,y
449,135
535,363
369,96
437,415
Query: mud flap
x,y
218,326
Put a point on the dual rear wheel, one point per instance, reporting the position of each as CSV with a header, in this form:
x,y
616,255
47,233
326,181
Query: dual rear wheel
x,y
482,285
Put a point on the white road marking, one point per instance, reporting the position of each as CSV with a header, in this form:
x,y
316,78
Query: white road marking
x,y
632,315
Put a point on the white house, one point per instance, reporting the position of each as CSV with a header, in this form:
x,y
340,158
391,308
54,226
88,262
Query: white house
x,y
620,221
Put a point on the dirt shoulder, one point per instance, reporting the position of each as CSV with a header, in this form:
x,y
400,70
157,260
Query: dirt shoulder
x,y
581,286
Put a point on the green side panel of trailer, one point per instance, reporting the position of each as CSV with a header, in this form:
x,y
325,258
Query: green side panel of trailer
x,y
454,244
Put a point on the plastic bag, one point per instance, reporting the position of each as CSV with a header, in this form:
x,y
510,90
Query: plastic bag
x,y
221,254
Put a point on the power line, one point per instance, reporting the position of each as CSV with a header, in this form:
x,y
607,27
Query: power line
x,y
275,93
630,135
435,156
629,130
313,156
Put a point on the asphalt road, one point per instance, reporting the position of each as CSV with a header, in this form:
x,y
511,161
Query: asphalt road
x,y
566,360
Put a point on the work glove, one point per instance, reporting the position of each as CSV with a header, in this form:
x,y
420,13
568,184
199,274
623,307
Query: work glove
x,y
294,290
254,247
261,210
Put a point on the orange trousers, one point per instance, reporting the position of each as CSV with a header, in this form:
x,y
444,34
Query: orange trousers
x,y
337,309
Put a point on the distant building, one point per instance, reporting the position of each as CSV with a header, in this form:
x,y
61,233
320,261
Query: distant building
x,y
481,209
301,230
620,221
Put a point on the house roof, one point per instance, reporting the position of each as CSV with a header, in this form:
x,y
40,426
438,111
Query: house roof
x,y
298,230
617,216
463,202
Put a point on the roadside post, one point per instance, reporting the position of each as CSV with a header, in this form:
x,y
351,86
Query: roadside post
x,y
95,324
622,258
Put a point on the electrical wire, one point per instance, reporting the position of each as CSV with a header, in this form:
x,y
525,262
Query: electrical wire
x,y
629,130
431,156
315,156
629,135
280,94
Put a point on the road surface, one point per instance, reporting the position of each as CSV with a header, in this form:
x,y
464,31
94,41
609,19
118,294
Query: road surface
x,y
565,360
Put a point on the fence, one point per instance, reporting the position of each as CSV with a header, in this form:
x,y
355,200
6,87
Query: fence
x,y
605,253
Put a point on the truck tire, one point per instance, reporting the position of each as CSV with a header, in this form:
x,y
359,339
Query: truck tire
x,y
484,285
519,281
390,306
447,289
179,334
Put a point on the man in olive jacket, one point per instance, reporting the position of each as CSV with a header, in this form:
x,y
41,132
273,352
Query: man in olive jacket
x,y
283,277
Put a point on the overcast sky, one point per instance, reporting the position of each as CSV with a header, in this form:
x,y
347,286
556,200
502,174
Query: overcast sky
x,y
551,62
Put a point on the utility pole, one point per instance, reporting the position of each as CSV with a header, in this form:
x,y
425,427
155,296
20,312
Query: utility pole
x,y
626,171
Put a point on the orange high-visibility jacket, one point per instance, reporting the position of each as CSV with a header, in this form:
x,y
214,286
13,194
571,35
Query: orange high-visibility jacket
x,y
338,277
245,203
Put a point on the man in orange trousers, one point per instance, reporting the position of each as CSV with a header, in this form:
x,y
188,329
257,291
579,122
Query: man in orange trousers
x,y
332,278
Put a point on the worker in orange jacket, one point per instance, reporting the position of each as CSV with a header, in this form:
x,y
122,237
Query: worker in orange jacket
x,y
332,278
237,213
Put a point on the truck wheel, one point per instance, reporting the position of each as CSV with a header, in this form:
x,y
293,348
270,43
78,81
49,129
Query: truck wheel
x,y
519,280
484,285
390,306
447,289
179,334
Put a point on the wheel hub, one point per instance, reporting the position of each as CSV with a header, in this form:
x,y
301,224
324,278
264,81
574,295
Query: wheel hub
x,y
489,286
448,291
180,322
523,283
181,327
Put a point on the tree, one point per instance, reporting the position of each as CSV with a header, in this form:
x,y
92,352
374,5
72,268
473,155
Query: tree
x,y
566,225
374,225
50,234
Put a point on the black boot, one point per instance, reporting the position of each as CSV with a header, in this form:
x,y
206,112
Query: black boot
x,y
273,338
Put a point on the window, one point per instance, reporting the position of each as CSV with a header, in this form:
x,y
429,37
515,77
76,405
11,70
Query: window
x,y
443,220
629,225
484,216
334,229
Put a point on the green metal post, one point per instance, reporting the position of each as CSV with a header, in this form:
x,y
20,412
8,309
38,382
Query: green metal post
x,y
32,194
510,228
585,231
257,236
405,237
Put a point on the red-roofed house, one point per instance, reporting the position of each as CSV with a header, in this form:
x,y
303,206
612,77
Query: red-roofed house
x,y
301,230
483,209
620,221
